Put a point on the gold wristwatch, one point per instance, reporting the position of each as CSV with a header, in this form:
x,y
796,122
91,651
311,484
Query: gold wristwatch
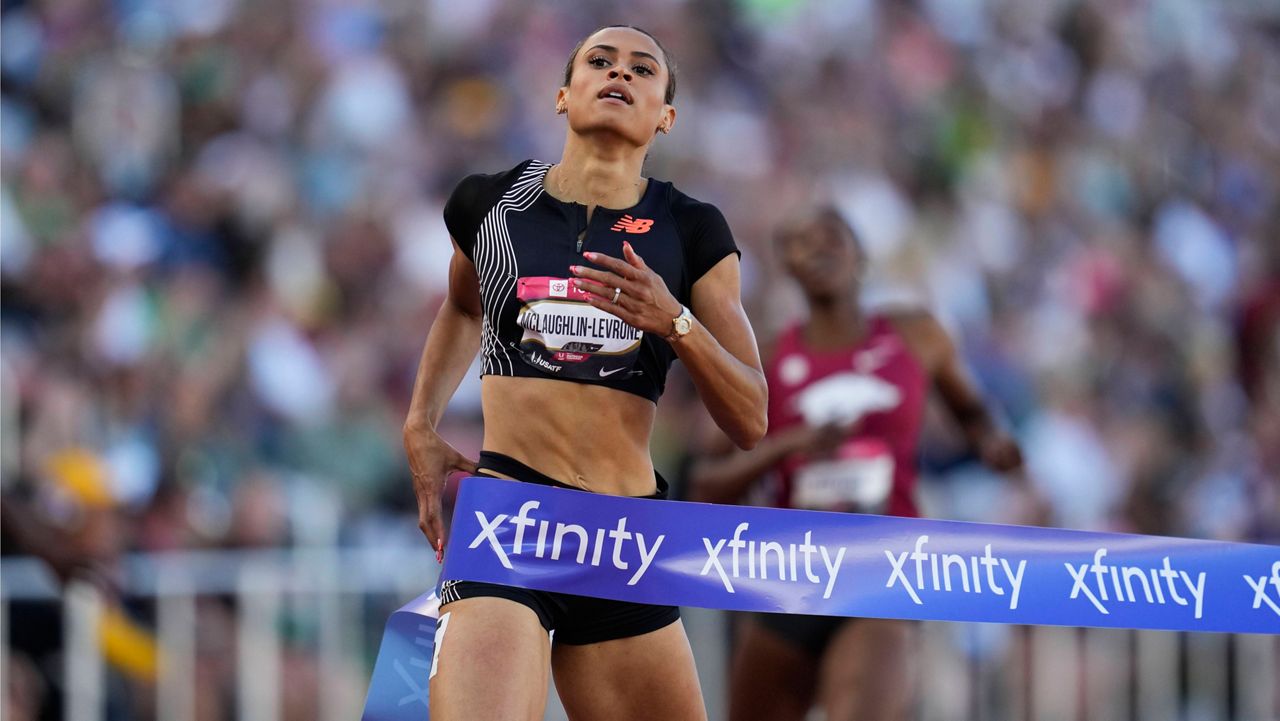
x,y
681,325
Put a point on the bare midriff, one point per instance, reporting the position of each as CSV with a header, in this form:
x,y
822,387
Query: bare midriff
x,y
592,437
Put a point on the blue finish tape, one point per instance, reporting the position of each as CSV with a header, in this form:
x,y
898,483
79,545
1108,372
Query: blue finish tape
x,y
838,564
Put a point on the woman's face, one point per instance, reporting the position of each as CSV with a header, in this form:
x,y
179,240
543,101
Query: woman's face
x,y
821,256
618,86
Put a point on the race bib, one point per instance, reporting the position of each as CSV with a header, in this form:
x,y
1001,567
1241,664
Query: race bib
x,y
567,337
858,479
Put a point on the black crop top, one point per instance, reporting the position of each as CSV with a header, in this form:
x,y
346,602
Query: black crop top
x,y
536,323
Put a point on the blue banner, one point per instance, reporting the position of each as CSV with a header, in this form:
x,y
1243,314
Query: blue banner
x,y
398,688
837,564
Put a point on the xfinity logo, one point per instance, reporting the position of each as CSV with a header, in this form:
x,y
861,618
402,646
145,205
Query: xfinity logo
x,y
767,560
743,554
1261,593
1093,581
579,538
946,572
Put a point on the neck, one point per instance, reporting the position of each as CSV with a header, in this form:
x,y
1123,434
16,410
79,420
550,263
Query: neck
x,y
835,321
596,171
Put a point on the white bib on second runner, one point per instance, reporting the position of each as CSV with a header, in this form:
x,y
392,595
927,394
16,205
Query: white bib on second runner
x,y
858,479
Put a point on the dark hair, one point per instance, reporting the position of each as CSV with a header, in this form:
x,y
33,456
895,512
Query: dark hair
x,y
666,56
821,213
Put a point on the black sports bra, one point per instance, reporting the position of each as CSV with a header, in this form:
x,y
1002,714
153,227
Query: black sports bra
x,y
536,323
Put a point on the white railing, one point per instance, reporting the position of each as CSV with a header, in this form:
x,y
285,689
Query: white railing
x,y
334,584
974,672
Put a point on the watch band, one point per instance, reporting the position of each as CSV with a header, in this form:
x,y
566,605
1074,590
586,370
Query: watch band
x,y
685,319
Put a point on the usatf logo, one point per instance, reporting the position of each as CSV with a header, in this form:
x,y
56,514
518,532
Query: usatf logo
x,y
1259,586
633,225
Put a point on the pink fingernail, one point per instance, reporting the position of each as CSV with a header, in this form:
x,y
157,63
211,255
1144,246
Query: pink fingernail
x,y
589,255
573,269
577,283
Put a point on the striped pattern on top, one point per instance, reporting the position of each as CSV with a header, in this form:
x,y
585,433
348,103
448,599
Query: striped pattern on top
x,y
495,260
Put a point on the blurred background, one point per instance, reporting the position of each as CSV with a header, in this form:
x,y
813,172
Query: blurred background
x,y
222,248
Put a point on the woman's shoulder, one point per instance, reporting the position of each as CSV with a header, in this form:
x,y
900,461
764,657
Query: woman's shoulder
x,y
486,184
685,206
693,217
476,194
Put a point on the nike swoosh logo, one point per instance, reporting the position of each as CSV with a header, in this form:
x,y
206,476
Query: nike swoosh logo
x,y
606,374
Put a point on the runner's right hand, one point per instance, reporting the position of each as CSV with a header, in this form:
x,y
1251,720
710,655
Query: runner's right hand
x,y
431,460
819,441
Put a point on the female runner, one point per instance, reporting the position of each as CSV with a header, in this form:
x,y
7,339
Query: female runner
x,y
579,283
847,393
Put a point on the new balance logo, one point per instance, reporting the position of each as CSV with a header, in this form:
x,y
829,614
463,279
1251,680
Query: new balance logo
x,y
633,225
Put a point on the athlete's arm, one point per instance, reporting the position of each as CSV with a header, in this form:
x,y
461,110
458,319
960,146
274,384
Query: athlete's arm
x,y
721,356
959,392
719,352
451,345
722,474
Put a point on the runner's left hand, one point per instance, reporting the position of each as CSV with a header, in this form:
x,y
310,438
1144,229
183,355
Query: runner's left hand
x,y
645,302
1000,452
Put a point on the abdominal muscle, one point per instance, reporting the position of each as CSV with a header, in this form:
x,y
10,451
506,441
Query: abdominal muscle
x,y
591,437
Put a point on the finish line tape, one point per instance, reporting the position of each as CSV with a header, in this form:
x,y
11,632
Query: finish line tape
x,y
745,558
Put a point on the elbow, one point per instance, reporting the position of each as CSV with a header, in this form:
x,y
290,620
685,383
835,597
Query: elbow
x,y
755,423
751,431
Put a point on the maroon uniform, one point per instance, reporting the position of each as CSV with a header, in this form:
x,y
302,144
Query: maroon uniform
x,y
878,387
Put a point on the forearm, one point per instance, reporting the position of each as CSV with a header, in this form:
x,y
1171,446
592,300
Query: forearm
x,y
451,345
723,364
726,478
975,423
734,393
988,440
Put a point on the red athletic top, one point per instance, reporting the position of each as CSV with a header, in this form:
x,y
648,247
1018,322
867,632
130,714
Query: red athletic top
x,y
878,383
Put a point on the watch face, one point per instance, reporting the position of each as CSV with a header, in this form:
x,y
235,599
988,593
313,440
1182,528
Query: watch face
x,y
681,326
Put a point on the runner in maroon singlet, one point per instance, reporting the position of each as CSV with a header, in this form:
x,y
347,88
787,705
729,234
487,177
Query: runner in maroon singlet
x,y
847,394
874,386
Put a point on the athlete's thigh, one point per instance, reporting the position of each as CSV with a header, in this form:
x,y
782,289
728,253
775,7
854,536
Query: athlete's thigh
x,y
772,679
650,676
868,671
492,660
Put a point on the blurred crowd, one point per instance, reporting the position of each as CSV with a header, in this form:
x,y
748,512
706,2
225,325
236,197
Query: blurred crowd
x,y
222,241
